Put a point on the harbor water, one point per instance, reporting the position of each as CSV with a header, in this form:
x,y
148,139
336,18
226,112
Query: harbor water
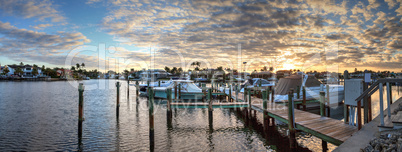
x,y
43,116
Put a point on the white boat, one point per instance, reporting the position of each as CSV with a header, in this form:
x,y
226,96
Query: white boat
x,y
313,88
189,90
255,82
144,87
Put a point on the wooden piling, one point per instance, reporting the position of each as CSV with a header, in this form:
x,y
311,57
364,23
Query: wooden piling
x,y
298,92
328,103
273,94
210,110
151,116
249,98
159,83
168,104
365,103
230,93
128,88
81,89
359,114
322,103
137,88
175,90
292,131
118,98
265,106
390,93
324,144
304,98
179,88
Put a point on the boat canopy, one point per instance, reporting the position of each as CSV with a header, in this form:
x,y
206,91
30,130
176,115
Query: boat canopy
x,y
186,86
284,84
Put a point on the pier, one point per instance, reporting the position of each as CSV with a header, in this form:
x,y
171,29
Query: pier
x,y
328,129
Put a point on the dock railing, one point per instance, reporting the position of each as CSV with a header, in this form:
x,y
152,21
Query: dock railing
x,y
378,85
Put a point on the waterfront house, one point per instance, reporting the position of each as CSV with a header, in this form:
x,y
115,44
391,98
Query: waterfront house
x,y
26,69
153,74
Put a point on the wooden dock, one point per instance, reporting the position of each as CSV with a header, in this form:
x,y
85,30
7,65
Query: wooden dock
x,y
328,129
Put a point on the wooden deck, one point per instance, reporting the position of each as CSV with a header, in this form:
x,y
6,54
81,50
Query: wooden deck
x,y
205,104
328,129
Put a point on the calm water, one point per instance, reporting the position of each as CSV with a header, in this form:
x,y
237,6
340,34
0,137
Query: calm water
x,y
42,116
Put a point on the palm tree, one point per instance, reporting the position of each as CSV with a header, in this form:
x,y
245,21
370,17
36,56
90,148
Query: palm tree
x,y
6,70
21,63
72,68
82,65
43,67
78,66
35,71
167,69
18,71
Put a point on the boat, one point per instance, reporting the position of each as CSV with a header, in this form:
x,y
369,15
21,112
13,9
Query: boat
x,y
255,82
189,91
144,87
312,86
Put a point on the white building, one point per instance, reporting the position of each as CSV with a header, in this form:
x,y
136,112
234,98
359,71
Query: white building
x,y
26,69
153,74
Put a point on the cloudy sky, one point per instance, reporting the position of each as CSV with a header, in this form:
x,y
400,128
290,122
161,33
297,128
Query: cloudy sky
x,y
303,34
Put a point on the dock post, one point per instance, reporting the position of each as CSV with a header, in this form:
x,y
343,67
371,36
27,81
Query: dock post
x,y
137,89
128,89
81,89
273,93
179,88
230,93
175,90
359,114
159,83
249,97
298,92
245,95
169,107
80,112
292,132
151,117
322,103
118,98
324,144
380,86
210,107
365,103
369,109
265,106
388,100
304,98
390,93
249,104
328,103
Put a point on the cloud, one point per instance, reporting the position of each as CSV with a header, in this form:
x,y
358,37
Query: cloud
x,y
41,26
291,30
31,9
30,45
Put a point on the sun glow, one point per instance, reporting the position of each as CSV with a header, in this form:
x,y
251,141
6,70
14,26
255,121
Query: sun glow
x,y
288,66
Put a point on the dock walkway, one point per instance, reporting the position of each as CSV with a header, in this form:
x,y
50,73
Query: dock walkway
x,y
328,129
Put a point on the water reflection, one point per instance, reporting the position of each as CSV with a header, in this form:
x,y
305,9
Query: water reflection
x,y
45,119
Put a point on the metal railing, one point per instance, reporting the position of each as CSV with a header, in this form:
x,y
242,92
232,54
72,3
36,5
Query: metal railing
x,y
378,85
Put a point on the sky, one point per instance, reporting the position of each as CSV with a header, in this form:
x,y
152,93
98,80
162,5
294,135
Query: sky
x,y
323,35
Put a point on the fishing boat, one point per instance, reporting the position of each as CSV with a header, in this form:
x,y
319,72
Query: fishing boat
x,y
144,87
189,91
256,82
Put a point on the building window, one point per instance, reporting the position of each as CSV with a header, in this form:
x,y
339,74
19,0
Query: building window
x,y
28,68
